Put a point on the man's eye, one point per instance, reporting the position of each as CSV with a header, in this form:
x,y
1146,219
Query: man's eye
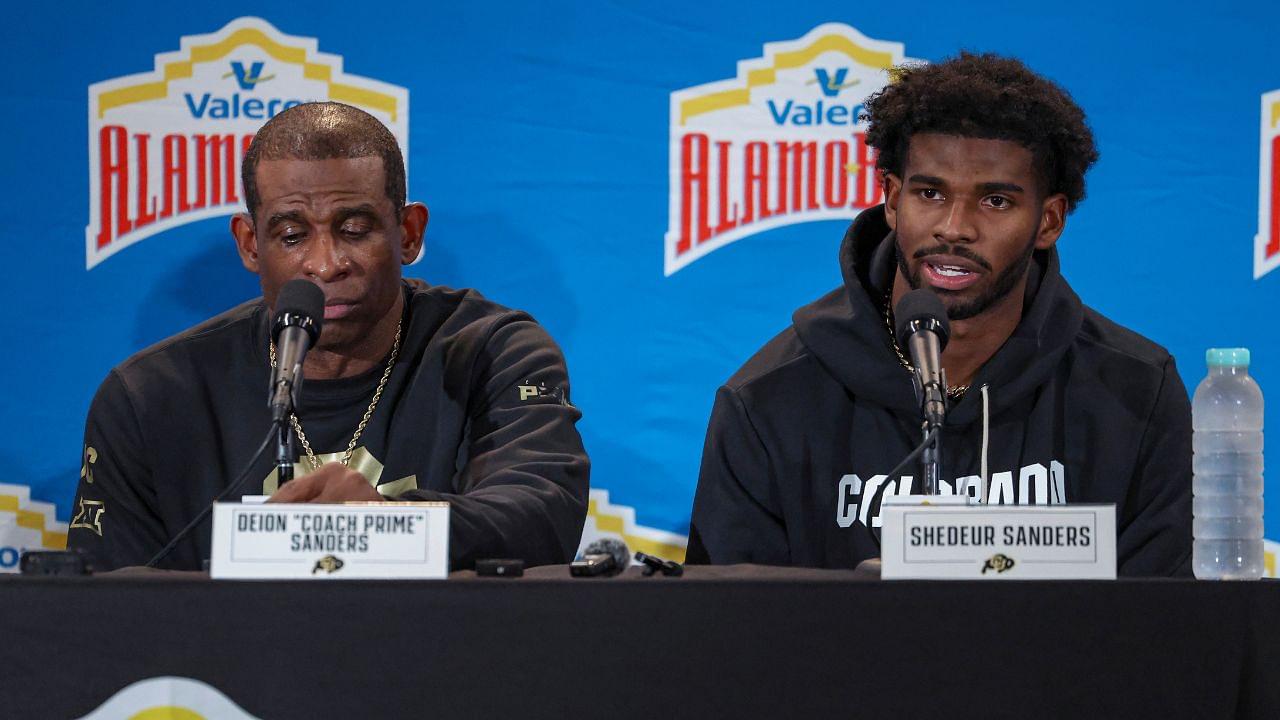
x,y
930,194
999,202
355,230
290,237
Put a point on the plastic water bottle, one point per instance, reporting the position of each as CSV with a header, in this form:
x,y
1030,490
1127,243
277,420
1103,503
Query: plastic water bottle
x,y
1226,416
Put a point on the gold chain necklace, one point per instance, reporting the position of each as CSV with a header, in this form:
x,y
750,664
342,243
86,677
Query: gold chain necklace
x,y
954,393
377,395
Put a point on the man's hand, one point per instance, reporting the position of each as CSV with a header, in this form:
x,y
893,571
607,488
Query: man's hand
x,y
868,569
332,483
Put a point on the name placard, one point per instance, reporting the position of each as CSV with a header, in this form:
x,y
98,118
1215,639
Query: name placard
x,y
998,542
390,540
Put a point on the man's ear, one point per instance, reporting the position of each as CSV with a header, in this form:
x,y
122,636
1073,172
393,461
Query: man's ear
x,y
892,192
413,225
246,240
1053,220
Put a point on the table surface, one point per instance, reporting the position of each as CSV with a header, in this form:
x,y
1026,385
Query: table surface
x,y
738,641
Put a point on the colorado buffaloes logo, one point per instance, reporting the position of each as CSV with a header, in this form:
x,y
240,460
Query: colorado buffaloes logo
x,y
165,145
782,143
1266,253
998,562
329,564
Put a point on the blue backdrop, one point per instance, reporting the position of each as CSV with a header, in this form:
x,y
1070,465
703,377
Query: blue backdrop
x,y
539,134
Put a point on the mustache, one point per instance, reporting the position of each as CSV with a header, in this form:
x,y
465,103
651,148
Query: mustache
x,y
954,250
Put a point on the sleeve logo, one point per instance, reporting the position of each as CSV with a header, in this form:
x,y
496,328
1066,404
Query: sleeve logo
x,y
89,457
89,516
537,391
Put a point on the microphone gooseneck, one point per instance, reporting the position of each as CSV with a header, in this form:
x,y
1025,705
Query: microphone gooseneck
x,y
234,487
299,315
923,329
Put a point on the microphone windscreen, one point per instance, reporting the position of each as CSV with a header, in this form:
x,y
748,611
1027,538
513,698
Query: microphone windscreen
x,y
301,298
920,304
611,546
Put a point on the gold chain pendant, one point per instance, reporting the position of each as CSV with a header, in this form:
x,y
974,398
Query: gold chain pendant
x,y
364,421
954,393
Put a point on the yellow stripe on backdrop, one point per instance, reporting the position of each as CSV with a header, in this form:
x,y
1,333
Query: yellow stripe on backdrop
x,y
201,54
782,61
604,519
16,509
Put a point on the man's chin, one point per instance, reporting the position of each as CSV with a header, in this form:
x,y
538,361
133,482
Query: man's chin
x,y
335,339
961,304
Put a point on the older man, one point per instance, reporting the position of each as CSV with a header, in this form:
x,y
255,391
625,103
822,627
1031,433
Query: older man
x,y
413,392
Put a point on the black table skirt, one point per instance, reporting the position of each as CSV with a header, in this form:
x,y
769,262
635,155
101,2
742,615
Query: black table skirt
x,y
740,642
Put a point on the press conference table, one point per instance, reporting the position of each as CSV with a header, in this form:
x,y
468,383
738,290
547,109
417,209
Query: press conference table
x,y
741,641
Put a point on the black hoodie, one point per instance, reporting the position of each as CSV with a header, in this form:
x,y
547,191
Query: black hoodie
x,y
1078,410
475,412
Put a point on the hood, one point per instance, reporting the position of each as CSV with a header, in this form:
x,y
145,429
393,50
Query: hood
x,y
847,333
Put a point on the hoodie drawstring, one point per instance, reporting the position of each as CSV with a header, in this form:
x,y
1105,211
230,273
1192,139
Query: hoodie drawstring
x,y
986,432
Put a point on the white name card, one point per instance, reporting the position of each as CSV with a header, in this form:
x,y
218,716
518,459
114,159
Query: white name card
x,y
998,542
391,540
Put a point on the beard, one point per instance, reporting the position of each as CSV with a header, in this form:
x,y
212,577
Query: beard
x,y
964,309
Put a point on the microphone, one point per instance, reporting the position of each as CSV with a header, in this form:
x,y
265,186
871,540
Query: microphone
x,y
923,329
299,314
606,556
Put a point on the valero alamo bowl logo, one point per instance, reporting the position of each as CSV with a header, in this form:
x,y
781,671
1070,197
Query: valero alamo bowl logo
x,y
165,145
1266,252
781,143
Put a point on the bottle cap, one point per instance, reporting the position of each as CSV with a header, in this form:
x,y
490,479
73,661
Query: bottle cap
x,y
1227,357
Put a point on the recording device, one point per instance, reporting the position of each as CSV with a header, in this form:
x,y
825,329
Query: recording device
x,y
299,313
54,562
606,556
923,329
653,564
499,567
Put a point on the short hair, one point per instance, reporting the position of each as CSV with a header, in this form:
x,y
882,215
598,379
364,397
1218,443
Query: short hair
x,y
323,131
984,96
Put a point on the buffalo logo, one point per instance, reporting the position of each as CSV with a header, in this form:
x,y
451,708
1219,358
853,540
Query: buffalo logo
x,y
1266,245
781,143
89,516
329,563
998,562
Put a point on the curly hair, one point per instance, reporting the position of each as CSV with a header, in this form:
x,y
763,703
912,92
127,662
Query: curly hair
x,y
984,96
324,131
